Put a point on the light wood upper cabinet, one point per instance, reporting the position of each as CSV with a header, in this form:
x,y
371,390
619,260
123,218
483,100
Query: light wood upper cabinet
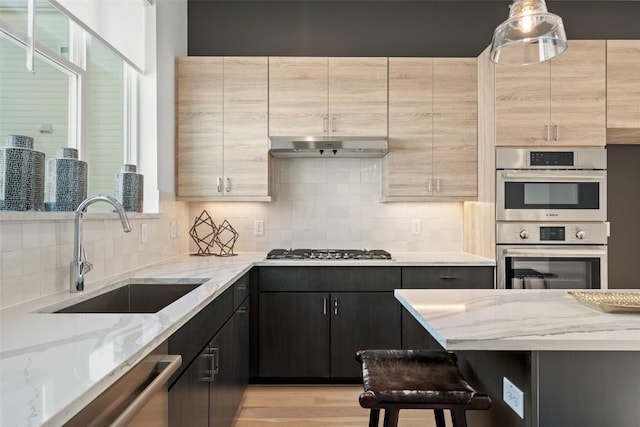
x,y
432,129
559,102
623,91
199,95
222,123
407,167
324,96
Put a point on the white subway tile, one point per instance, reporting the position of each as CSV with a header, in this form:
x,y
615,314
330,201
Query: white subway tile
x,y
11,233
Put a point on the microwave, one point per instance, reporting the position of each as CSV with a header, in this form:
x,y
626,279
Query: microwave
x,y
551,185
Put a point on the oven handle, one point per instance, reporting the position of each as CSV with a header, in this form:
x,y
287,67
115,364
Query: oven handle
x,y
555,252
542,177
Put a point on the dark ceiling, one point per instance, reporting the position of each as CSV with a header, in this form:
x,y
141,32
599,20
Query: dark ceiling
x,y
383,28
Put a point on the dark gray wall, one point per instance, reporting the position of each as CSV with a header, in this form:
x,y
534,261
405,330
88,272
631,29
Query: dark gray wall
x,y
382,28
623,205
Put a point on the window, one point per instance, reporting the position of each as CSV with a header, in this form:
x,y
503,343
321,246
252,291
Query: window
x,y
106,135
75,97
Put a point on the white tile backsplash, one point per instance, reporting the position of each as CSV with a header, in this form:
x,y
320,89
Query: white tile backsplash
x,y
35,254
334,203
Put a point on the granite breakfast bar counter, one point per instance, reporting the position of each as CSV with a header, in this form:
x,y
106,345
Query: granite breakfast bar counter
x,y
575,365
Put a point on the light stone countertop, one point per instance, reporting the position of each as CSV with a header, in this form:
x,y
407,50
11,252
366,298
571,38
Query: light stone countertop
x,y
519,320
52,365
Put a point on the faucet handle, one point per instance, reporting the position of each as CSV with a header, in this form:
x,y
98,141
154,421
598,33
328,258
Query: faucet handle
x,y
87,266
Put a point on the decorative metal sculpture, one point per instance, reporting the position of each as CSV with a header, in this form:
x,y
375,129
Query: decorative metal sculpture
x,y
225,237
203,232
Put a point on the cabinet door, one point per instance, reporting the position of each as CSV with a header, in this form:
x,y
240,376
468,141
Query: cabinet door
x,y
407,166
297,96
361,320
358,96
578,94
623,91
294,334
199,115
221,402
246,145
189,395
240,360
455,127
455,155
522,104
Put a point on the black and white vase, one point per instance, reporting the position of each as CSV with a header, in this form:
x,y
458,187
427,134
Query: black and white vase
x,y
66,185
129,188
21,175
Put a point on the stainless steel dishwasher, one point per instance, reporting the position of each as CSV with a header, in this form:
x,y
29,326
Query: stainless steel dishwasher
x,y
139,398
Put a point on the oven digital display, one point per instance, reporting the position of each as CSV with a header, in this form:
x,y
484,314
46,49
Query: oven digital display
x,y
551,158
552,233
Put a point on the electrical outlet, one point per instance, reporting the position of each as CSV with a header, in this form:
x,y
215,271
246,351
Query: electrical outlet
x,y
144,237
416,227
513,396
258,227
173,229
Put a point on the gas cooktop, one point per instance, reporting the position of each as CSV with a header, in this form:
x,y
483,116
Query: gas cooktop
x,y
328,254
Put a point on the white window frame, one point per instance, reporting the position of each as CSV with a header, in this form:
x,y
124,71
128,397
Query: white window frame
x,y
78,70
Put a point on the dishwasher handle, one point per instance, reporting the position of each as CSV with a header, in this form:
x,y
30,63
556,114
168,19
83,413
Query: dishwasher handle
x,y
170,364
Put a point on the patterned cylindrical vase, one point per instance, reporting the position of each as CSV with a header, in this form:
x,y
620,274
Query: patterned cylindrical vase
x,y
66,185
21,175
129,188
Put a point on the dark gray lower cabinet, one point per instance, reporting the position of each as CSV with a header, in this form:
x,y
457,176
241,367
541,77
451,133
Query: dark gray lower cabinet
x,y
312,320
229,351
414,335
361,320
210,388
294,334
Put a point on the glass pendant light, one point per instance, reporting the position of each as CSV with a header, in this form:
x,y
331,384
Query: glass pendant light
x,y
530,35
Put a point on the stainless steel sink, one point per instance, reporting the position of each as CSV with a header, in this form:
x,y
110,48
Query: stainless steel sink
x,y
132,298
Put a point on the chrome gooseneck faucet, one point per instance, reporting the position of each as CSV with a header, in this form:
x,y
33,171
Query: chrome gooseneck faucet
x,y
78,265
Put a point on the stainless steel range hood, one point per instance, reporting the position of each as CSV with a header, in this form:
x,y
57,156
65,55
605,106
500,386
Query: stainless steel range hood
x,y
330,147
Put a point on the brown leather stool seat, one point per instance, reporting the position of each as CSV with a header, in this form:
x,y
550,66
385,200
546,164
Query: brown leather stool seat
x,y
416,379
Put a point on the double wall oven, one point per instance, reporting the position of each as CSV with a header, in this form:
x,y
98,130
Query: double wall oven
x,y
551,218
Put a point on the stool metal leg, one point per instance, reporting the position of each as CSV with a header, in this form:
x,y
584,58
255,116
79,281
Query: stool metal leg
x,y
459,418
374,417
391,417
439,415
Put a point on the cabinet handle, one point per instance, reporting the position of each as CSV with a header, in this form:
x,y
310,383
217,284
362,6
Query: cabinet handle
x,y
437,184
241,287
334,120
324,306
547,132
335,306
243,310
215,362
208,373
444,277
325,124
219,184
430,185
557,133
227,185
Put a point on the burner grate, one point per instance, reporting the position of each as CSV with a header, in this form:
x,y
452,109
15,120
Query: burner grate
x,y
329,254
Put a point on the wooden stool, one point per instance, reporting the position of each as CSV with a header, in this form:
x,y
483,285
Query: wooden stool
x,y
416,379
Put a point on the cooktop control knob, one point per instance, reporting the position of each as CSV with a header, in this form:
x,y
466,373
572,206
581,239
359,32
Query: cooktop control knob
x,y
580,234
524,234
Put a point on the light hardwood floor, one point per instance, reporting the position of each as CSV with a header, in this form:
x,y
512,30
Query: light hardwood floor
x,y
313,406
